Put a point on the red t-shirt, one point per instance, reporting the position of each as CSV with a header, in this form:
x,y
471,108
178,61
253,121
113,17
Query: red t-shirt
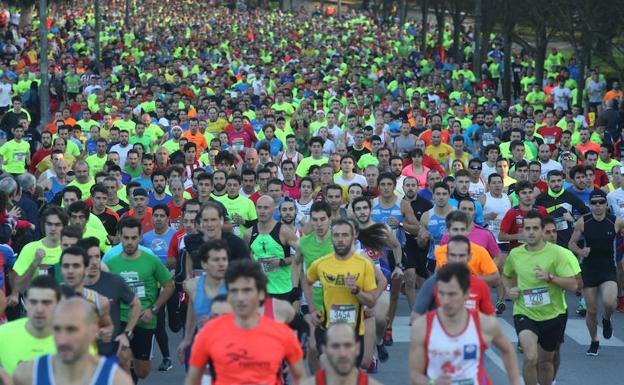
x,y
600,178
243,138
542,186
146,222
513,221
255,196
245,356
291,191
479,297
175,214
174,246
551,135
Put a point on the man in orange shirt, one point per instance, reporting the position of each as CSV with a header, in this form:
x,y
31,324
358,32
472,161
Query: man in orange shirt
x,y
194,136
245,347
614,92
585,144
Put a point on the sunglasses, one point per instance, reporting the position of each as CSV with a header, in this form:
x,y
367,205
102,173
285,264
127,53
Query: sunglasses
x,y
476,167
598,202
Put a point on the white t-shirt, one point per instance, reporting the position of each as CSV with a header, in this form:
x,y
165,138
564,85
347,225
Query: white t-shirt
x,y
616,202
357,178
486,171
560,97
549,166
123,153
5,94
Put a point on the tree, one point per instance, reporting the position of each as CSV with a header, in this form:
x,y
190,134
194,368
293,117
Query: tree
x,y
509,24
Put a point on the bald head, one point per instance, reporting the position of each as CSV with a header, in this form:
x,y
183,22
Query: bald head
x,y
79,308
75,328
265,199
340,331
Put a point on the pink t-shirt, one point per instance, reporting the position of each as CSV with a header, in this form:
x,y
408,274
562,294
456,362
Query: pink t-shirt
x,y
421,178
481,237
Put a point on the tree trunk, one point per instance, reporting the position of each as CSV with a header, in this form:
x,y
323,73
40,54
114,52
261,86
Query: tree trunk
x,y
476,59
425,21
507,93
541,43
98,50
26,15
44,88
439,11
339,8
457,28
127,16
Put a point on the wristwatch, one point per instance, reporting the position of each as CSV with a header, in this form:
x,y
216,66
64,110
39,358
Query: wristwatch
x,y
154,310
129,334
400,266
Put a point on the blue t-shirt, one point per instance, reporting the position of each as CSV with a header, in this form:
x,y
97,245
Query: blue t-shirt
x,y
159,244
153,201
144,182
118,249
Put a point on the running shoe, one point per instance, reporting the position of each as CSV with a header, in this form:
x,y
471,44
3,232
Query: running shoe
x,y
372,368
166,365
388,341
581,310
620,305
500,307
382,353
593,348
607,329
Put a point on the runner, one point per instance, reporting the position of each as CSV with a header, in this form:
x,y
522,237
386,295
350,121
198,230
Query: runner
x,y
458,251
143,273
75,328
28,338
341,349
598,229
245,331
270,244
432,222
344,296
535,276
451,328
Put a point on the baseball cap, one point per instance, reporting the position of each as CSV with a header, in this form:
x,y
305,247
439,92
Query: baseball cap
x,y
139,192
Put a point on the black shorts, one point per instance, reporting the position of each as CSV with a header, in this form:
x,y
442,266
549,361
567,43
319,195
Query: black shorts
x,y
416,258
549,333
593,277
320,336
141,342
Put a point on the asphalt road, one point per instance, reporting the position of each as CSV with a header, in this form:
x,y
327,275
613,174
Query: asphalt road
x,y
576,367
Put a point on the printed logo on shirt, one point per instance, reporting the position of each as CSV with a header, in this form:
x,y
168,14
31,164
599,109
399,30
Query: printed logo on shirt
x,y
470,352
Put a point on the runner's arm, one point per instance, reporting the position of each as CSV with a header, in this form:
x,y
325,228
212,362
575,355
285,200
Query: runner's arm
x,y
23,374
122,378
133,315
106,323
579,227
417,353
492,327
296,269
411,224
298,372
166,292
193,376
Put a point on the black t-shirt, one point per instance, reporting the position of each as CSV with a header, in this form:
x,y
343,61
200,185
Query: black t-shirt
x,y
238,248
117,291
109,221
357,154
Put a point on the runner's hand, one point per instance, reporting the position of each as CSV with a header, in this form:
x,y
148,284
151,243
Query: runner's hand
x,y
584,252
350,282
568,217
180,352
106,333
540,273
444,379
397,273
122,339
146,316
39,255
5,378
316,318
13,299
393,223
513,293
238,219
490,216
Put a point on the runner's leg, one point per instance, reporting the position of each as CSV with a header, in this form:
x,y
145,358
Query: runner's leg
x,y
591,294
545,372
528,341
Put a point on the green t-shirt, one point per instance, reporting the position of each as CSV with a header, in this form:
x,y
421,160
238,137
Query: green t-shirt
x,y
304,165
85,188
538,300
125,125
145,140
606,167
19,345
265,247
96,164
47,266
142,274
241,206
133,172
171,146
311,250
15,155
367,160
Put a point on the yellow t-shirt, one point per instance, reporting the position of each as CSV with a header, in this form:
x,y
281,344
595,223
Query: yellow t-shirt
x,y
339,305
15,155
440,153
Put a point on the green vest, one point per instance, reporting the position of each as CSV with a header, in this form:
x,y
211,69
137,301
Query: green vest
x,y
267,247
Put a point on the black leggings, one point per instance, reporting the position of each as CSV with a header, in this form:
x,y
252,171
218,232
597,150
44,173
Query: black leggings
x,y
175,323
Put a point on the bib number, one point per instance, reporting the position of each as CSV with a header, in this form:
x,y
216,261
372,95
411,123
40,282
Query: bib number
x,y
561,224
267,263
342,313
45,270
536,297
19,156
138,287
549,139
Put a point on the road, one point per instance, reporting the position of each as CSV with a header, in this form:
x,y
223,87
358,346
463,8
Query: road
x,y
576,368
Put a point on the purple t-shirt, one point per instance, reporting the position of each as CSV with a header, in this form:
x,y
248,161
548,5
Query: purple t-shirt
x,y
481,237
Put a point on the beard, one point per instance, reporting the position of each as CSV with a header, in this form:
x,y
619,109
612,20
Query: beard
x,y
159,189
219,187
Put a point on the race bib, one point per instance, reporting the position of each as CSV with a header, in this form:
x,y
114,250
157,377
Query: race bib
x,y
561,224
19,156
549,139
266,264
45,270
466,381
138,287
342,313
236,230
536,297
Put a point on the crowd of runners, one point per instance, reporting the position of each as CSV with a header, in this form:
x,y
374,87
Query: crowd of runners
x,y
272,184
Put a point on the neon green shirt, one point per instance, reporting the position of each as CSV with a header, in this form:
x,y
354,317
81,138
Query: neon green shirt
x,y
14,155
18,345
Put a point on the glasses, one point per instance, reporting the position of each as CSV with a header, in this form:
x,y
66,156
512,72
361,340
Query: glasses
x,y
598,202
476,167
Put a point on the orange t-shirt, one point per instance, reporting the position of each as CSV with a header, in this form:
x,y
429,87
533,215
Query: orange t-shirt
x,y
480,263
426,136
199,139
611,95
245,356
583,148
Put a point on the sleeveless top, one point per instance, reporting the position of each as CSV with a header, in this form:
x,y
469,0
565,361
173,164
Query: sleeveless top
x,y
43,375
380,215
93,297
55,189
265,249
436,226
460,355
321,378
500,206
268,310
202,302
295,159
600,237
476,190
